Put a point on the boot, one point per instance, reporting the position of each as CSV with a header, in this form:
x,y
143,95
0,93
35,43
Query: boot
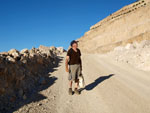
x,y
70,91
76,91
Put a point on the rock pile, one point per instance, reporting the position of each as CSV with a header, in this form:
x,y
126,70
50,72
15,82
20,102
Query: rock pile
x,y
21,71
135,54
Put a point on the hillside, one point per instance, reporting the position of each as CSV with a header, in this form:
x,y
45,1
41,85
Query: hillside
x,y
127,25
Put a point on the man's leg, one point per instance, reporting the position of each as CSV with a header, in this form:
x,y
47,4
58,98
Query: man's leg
x,y
70,84
70,87
76,86
77,83
77,80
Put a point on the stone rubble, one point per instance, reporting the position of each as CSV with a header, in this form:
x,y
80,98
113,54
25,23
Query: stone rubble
x,y
21,72
136,54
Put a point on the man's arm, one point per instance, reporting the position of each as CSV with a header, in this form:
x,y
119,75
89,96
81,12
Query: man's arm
x,y
66,63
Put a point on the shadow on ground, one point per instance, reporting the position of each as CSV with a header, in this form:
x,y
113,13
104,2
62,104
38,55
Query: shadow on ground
x,y
96,82
35,96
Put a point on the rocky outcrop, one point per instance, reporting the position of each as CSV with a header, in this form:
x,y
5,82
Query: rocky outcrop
x,y
135,54
129,24
121,13
21,71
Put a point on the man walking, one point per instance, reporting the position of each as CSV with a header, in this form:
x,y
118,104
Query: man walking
x,y
73,59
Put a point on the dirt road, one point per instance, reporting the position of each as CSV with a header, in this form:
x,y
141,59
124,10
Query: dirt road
x,y
110,88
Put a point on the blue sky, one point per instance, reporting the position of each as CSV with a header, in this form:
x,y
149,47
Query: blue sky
x,y
30,23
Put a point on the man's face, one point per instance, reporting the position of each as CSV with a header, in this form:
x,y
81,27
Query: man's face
x,y
75,45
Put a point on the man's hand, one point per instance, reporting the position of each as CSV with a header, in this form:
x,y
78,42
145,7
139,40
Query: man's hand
x,y
67,70
67,59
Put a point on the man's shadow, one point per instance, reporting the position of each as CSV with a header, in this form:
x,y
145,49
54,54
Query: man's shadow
x,y
96,82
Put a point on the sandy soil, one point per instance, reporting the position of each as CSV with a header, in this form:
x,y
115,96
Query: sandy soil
x,y
110,88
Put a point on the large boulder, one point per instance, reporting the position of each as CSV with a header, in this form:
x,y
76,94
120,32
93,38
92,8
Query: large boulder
x,y
24,51
53,48
46,50
11,59
60,49
15,53
4,53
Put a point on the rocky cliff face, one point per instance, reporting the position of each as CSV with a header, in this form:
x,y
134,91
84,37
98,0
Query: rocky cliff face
x,y
127,25
21,72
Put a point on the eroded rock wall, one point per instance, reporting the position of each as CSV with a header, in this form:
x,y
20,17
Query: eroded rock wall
x,y
21,72
130,22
